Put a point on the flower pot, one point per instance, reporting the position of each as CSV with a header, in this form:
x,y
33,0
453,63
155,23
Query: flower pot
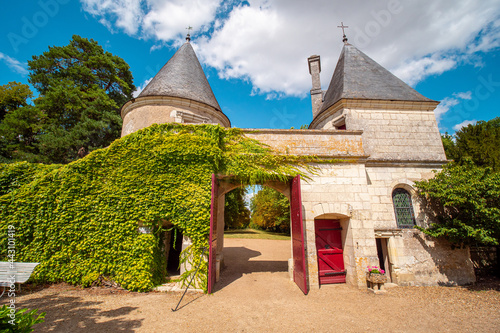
x,y
376,277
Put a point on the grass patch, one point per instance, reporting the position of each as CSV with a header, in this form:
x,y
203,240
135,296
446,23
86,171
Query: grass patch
x,y
255,234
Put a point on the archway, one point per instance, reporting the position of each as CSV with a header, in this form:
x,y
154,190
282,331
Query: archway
x,y
334,248
291,189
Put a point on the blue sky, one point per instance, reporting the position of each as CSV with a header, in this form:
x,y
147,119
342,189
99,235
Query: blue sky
x,y
254,53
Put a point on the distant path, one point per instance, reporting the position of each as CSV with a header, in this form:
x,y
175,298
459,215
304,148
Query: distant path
x,y
256,295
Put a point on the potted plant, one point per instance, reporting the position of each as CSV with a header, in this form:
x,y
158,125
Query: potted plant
x,y
375,275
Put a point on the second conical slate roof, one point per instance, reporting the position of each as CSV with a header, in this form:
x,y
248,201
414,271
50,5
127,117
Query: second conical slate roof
x,y
182,76
360,77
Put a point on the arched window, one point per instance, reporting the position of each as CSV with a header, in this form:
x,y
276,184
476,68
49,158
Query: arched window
x,y
403,208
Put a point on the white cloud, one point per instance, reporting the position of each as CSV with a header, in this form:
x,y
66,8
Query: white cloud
x,y
463,95
448,102
157,19
124,14
444,107
415,71
166,20
14,64
267,42
464,123
141,88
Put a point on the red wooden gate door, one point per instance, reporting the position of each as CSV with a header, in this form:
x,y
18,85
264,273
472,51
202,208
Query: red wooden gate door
x,y
330,253
212,239
299,255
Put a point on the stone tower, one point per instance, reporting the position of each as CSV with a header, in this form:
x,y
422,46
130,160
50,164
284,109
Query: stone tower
x,y
398,123
180,92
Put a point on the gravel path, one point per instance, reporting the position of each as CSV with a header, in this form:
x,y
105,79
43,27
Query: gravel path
x,y
256,295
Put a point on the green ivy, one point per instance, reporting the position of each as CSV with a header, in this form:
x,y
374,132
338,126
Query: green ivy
x,y
80,221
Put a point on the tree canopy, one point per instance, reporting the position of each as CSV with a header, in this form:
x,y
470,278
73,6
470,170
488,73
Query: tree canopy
x,y
465,201
12,96
81,89
477,142
270,210
236,214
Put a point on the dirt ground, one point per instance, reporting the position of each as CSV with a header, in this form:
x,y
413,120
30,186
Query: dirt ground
x,y
255,294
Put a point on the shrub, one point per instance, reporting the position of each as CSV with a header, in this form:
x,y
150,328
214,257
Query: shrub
x,y
20,322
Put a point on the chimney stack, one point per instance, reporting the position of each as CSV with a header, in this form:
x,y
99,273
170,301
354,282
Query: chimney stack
x,y
316,92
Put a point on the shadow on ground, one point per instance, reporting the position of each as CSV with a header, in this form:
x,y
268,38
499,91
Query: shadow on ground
x,y
237,262
73,314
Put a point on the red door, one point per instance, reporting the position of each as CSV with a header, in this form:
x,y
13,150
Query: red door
x,y
330,253
212,238
299,255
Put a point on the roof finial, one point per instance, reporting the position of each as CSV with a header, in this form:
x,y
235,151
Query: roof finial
x,y
188,37
344,39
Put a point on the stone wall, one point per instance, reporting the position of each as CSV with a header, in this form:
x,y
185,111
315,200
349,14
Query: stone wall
x,y
392,130
382,179
143,112
340,191
328,143
420,260
396,134
358,192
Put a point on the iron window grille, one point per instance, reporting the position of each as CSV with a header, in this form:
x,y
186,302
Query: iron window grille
x,y
403,208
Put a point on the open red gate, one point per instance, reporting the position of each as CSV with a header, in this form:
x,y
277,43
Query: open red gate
x,y
299,255
212,239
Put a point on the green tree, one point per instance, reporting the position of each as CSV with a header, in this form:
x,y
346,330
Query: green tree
x,y
13,96
19,132
465,202
477,142
236,214
19,122
81,90
449,146
271,210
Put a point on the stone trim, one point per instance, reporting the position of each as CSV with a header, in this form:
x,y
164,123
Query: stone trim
x,y
182,117
406,163
338,121
302,131
386,233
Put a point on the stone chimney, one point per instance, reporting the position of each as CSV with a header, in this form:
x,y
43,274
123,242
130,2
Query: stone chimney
x,y
316,92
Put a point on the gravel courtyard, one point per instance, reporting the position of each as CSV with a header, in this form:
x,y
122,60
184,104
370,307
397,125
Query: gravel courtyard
x,y
256,295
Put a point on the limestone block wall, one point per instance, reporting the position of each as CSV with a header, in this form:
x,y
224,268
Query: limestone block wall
x,y
360,196
415,258
340,191
397,134
421,260
382,179
143,112
328,143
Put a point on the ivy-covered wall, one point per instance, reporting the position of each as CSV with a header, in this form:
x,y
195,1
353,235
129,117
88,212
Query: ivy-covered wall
x,y
80,220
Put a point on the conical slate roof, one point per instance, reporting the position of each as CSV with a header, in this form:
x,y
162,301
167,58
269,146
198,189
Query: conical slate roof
x,y
182,76
360,77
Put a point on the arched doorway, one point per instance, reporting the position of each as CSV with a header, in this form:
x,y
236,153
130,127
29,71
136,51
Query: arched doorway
x,y
291,189
334,248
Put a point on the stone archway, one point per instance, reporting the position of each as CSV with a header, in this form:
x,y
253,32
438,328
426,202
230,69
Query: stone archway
x,y
291,189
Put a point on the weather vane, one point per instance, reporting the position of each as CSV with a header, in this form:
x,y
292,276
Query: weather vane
x,y
344,39
188,37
